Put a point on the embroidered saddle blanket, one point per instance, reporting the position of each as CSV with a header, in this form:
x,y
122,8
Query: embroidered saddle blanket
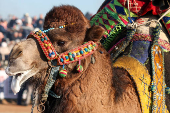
x,y
114,16
142,79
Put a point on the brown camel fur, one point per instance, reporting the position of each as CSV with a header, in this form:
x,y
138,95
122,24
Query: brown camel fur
x,y
92,91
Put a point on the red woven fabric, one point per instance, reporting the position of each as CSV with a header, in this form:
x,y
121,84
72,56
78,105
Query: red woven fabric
x,y
141,7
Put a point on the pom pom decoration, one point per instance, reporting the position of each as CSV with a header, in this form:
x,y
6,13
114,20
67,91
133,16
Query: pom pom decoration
x,y
79,68
63,72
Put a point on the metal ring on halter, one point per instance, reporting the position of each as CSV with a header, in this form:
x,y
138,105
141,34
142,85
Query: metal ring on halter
x,y
41,106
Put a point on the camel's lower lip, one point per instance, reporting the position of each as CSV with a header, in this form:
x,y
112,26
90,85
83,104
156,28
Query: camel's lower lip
x,y
19,78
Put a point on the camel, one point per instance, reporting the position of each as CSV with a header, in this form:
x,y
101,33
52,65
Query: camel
x,y
97,89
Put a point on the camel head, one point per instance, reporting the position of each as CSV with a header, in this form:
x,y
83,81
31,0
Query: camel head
x,y
27,59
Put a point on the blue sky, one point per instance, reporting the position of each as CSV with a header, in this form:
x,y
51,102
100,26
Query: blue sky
x,y
36,7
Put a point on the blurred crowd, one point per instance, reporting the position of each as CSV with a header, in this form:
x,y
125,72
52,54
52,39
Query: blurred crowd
x,y
15,30
12,31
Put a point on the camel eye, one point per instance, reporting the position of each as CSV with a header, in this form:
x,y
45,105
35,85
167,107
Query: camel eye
x,y
60,43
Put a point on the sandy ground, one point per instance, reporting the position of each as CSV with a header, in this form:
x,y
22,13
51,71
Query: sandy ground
x,y
12,107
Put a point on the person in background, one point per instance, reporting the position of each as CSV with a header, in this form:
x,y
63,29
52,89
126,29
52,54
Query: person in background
x,y
27,20
20,94
12,22
1,38
34,20
4,51
40,22
3,27
7,32
18,25
27,26
16,37
26,30
29,88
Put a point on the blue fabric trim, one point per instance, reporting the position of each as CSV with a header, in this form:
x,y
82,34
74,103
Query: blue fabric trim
x,y
140,50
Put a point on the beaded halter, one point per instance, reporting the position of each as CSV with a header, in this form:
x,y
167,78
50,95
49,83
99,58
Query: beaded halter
x,y
77,53
45,44
67,57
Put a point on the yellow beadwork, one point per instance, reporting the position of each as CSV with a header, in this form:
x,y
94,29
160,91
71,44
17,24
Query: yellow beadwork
x,y
45,45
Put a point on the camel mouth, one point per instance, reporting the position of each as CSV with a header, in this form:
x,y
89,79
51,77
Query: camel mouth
x,y
19,78
18,75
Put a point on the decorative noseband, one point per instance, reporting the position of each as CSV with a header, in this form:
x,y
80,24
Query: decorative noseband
x,y
45,44
67,57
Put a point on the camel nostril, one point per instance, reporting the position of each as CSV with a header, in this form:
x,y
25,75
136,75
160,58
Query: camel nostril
x,y
19,53
15,55
18,74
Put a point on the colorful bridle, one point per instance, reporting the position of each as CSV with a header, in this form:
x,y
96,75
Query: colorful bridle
x,y
62,59
67,57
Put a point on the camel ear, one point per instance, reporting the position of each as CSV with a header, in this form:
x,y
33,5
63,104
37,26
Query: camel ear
x,y
94,33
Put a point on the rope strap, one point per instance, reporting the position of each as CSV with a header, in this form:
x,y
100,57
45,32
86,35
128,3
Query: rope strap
x,y
53,94
129,35
50,81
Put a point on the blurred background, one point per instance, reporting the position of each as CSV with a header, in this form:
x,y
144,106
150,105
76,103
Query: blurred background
x,y
17,19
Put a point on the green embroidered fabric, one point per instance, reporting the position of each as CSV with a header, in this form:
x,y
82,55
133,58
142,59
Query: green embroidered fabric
x,y
114,18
